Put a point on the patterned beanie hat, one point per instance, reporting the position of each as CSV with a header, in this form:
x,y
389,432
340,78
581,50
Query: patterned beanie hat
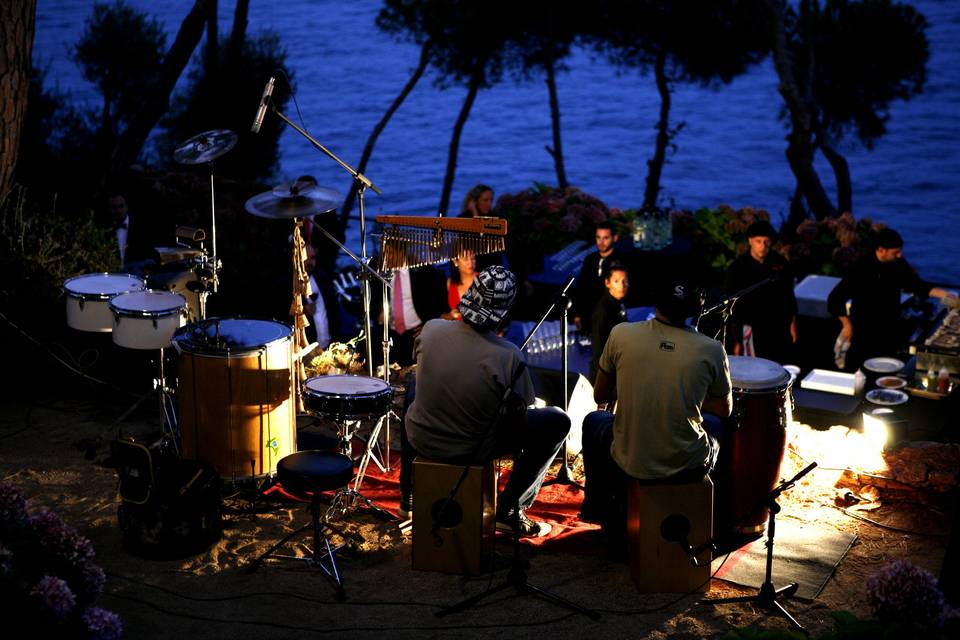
x,y
489,298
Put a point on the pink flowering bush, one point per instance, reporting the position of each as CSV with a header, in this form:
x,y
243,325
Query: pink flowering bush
x,y
543,220
47,573
827,247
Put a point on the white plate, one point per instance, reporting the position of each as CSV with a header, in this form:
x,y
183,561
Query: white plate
x,y
883,365
891,382
888,397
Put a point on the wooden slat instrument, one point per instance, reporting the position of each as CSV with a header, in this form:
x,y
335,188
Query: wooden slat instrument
x,y
412,241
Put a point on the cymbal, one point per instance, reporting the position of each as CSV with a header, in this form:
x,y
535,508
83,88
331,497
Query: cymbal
x,y
293,200
205,147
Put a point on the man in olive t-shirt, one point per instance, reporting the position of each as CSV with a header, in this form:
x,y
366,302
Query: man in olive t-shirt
x,y
664,376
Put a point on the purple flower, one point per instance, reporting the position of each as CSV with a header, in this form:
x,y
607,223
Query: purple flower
x,y
570,223
808,230
6,560
55,596
102,624
61,539
553,205
902,592
13,506
92,579
542,225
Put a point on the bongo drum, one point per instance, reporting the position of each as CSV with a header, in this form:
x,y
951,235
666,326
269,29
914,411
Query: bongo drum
x,y
89,295
147,319
753,444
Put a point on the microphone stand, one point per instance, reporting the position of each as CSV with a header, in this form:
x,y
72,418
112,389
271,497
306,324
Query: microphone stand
x,y
565,474
517,576
725,306
362,183
768,594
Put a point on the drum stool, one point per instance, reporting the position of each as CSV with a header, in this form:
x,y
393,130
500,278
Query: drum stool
x,y
660,519
314,472
464,541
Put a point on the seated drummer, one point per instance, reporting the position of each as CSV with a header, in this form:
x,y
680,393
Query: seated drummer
x,y
664,376
463,372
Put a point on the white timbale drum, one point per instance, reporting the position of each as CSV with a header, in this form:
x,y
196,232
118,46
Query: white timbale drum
x,y
147,319
88,299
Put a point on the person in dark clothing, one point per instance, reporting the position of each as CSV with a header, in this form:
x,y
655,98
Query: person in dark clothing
x,y
590,287
768,314
609,310
874,326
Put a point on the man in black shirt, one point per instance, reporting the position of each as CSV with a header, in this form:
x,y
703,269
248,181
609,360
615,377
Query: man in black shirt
x,y
874,326
589,287
609,310
768,314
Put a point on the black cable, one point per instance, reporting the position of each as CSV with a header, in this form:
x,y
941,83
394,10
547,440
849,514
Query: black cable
x,y
886,526
274,624
260,594
695,591
69,366
293,94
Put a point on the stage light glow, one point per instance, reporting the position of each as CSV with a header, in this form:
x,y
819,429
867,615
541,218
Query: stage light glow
x,y
876,431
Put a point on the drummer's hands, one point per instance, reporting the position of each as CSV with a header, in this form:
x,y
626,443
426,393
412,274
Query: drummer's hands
x,y
793,330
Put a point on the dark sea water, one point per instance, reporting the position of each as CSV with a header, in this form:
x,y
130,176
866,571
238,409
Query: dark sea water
x,y
730,150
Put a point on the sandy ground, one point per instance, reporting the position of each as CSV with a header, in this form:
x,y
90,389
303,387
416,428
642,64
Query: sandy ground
x,y
54,450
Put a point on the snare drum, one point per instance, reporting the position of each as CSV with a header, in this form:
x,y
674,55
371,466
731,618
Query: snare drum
x,y
754,442
88,299
147,319
347,397
236,395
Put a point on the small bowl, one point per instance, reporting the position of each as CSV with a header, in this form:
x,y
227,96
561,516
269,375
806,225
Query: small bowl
x,y
891,382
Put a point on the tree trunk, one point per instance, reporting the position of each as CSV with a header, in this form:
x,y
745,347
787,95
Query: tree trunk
x,y
800,148
212,53
655,164
841,171
239,31
557,150
17,22
156,102
474,87
382,124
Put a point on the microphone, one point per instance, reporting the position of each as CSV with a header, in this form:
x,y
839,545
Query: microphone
x,y
262,110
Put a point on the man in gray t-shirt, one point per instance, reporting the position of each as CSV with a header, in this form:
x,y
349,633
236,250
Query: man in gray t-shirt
x,y
664,376
463,372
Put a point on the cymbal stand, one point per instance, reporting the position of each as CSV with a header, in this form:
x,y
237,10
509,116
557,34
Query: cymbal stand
x,y
768,595
213,234
346,498
370,453
565,474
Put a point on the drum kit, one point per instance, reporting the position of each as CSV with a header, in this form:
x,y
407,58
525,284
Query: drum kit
x,y
234,401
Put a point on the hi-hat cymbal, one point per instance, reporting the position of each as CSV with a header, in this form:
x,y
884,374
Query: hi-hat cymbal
x,y
293,200
205,147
